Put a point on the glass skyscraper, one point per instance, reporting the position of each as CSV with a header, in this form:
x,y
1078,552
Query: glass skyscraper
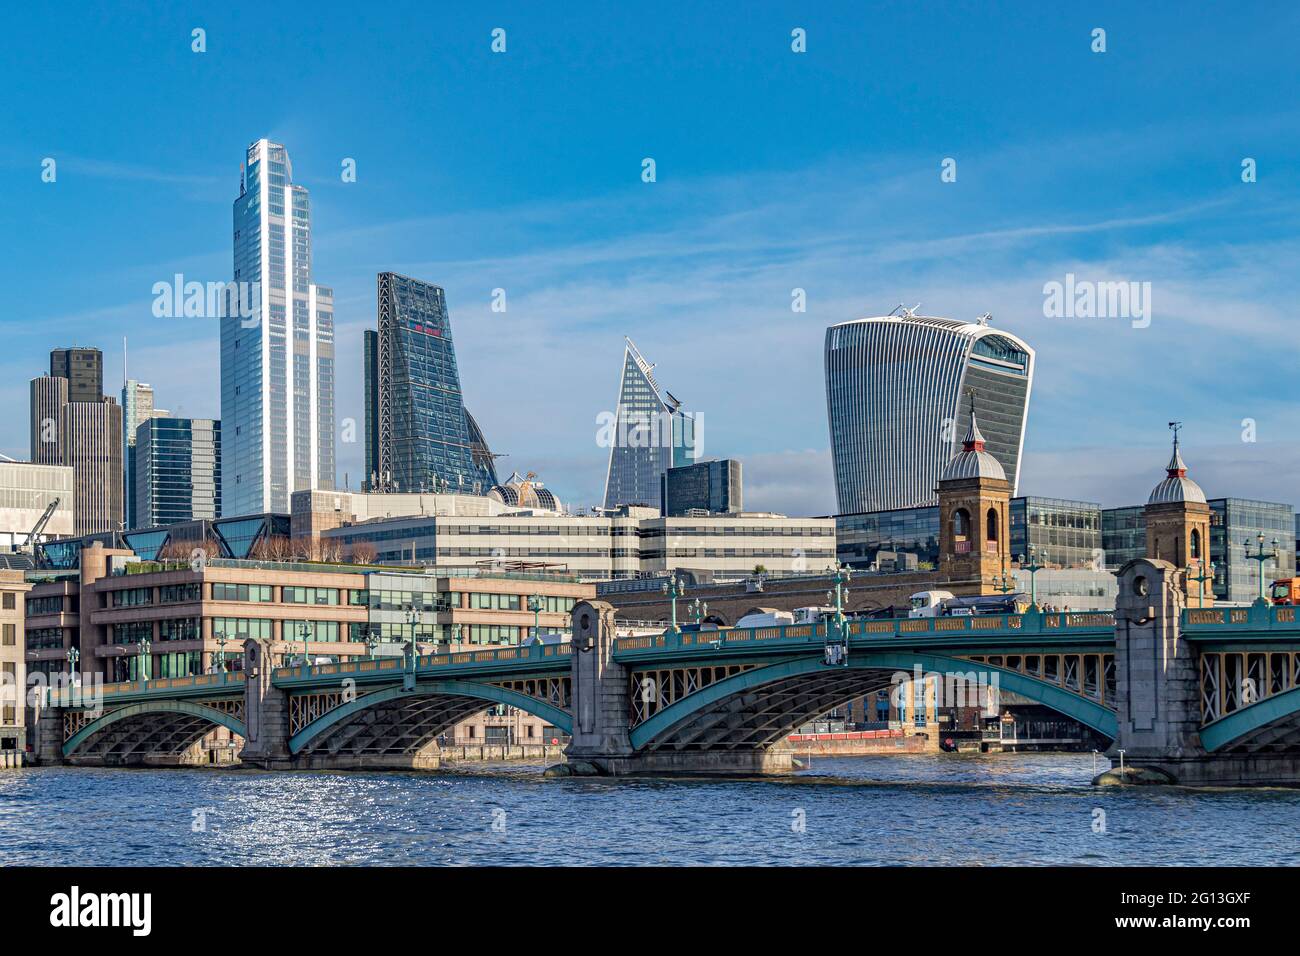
x,y
897,397
651,433
277,364
177,470
419,437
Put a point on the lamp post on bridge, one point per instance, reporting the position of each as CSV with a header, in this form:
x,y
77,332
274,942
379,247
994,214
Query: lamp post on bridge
x,y
837,652
74,656
1261,556
304,631
221,653
1201,578
673,588
535,604
413,618
1033,567
1004,582
698,610
372,640
142,663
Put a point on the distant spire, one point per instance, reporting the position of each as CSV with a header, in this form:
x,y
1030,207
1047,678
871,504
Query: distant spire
x,y
974,440
1176,468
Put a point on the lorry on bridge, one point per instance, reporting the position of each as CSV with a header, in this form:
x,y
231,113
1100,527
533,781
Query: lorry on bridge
x,y
1285,591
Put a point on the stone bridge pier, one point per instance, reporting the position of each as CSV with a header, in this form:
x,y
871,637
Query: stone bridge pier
x,y
601,744
1160,695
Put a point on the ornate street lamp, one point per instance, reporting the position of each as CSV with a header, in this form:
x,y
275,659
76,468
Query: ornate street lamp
x,y
372,640
698,610
413,618
673,588
304,631
73,655
1261,556
143,661
1004,582
221,652
1033,567
1207,575
535,604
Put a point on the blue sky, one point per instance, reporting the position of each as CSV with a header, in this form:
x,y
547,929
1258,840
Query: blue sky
x,y
775,170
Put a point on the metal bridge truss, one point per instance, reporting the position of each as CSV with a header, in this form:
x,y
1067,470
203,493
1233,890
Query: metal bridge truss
x,y
1236,679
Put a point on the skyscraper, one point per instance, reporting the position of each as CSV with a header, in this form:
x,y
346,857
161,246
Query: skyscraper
x,y
649,434
84,370
137,407
897,397
277,366
177,470
419,436
84,432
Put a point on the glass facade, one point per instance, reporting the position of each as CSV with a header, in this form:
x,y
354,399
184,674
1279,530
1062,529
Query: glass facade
x,y
277,362
1235,524
859,538
649,436
1063,533
1123,535
177,470
897,401
714,487
424,441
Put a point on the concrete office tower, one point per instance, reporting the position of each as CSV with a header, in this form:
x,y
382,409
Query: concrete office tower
x,y
90,435
277,362
650,433
86,435
419,436
177,470
137,407
49,394
84,370
897,390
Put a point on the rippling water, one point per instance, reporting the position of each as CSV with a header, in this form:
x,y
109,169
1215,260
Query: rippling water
x,y
943,809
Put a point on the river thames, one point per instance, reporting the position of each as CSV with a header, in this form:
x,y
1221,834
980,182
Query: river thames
x,y
908,810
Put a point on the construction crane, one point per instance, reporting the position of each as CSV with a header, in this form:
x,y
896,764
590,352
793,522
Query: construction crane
x,y
37,528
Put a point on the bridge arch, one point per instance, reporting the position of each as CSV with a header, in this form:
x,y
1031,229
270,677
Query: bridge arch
x,y
1271,721
808,687
417,715
182,723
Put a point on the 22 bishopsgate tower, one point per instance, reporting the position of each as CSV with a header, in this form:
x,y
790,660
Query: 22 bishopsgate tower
x,y
277,347
898,396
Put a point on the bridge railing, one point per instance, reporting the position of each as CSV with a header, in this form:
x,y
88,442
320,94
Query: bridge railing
x,y
1011,625
1256,617
396,665
164,686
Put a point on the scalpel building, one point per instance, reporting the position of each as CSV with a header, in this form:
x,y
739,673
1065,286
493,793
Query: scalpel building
x,y
897,400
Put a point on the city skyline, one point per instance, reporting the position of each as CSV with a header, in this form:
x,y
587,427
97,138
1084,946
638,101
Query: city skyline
x,y
698,267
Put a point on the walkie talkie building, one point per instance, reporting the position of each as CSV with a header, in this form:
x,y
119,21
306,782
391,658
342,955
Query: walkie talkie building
x,y
896,390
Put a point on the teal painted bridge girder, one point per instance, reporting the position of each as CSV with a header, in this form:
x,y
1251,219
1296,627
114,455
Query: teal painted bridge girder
x,y
1241,723
160,706
1089,713
448,688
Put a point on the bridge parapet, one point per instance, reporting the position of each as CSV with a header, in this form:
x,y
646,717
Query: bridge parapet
x,y
1029,627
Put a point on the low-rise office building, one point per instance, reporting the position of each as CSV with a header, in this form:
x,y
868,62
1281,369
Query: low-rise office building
x,y
128,618
27,491
13,672
465,531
